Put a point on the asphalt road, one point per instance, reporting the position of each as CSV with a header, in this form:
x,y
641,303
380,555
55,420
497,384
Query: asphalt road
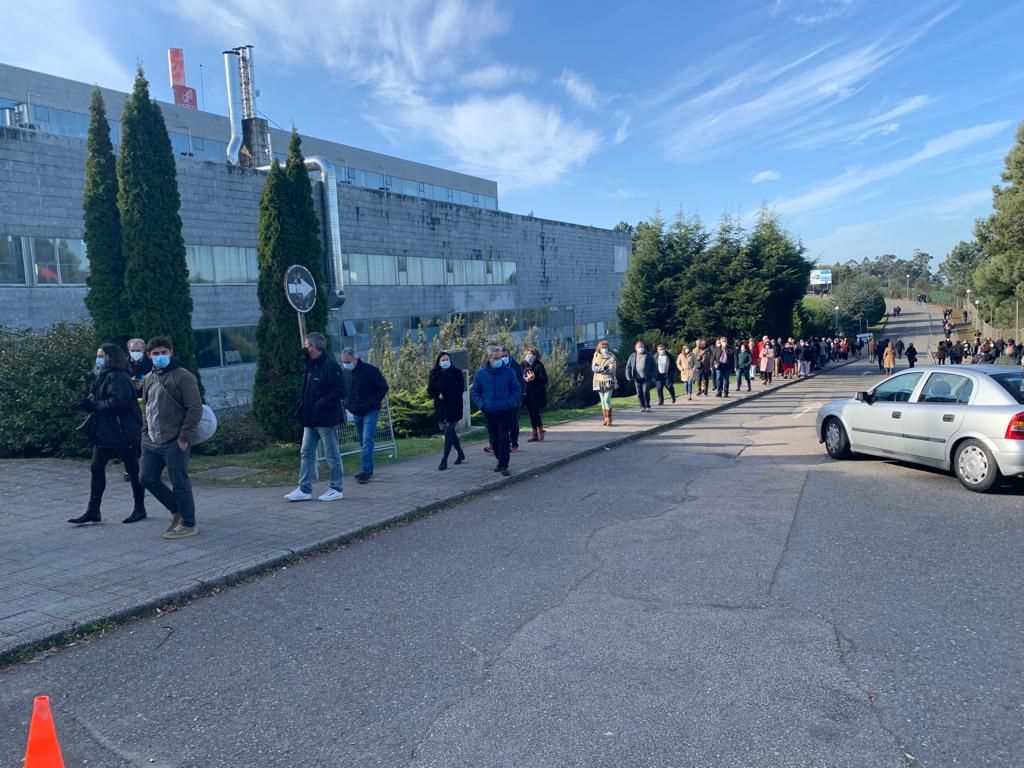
x,y
717,595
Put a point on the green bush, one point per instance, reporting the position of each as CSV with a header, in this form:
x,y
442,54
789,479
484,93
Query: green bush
x,y
41,374
238,431
412,413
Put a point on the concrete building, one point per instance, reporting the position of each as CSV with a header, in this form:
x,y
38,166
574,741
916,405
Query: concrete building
x,y
418,244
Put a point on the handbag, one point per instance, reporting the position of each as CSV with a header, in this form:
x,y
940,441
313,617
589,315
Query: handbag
x,y
207,426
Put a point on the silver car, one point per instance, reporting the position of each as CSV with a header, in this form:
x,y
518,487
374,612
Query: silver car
x,y
968,419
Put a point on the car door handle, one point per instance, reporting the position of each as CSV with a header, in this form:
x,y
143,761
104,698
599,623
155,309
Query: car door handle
x,y
897,414
948,417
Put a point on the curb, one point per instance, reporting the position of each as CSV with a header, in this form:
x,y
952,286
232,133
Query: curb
x,y
65,638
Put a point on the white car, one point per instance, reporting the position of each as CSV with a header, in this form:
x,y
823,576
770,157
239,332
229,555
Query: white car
x,y
967,419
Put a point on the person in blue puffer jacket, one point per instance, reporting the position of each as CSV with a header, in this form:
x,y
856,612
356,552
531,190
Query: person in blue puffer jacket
x,y
496,392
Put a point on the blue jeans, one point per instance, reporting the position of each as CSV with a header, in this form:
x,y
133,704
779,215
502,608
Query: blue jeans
x,y
178,498
366,430
311,437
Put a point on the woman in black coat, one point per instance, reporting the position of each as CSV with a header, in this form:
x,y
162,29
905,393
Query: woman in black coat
x,y
535,380
114,428
446,385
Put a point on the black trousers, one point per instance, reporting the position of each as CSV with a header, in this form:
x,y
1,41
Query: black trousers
x,y
178,498
499,425
513,426
451,440
534,410
101,455
643,392
663,382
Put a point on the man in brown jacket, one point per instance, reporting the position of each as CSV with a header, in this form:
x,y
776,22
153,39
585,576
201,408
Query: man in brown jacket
x,y
173,407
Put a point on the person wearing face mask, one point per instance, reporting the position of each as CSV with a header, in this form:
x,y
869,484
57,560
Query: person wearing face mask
x,y
319,412
536,378
665,375
497,393
446,385
509,361
603,367
138,363
641,370
114,429
684,364
365,390
173,408
704,365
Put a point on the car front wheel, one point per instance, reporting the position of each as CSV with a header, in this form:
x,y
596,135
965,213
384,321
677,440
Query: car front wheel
x,y
975,467
836,441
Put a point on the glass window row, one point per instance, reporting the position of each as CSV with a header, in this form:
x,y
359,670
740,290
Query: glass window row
x,y
221,264
373,180
42,261
376,269
220,347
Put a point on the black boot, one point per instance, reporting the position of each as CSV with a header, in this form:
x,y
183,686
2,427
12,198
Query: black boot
x,y
136,515
444,464
89,517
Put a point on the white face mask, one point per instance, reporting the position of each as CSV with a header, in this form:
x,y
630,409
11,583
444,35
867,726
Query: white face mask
x,y
136,356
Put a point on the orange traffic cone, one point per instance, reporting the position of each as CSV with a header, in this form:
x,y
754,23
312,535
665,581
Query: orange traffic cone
x,y
42,751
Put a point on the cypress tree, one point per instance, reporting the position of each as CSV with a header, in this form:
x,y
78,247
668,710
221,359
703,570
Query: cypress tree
x,y
640,307
305,231
278,370
156,286
104,300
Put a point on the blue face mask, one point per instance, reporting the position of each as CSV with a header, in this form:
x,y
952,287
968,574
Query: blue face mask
x,y
504,359
530,358
497,363
446,364
100,361
348,366
161,361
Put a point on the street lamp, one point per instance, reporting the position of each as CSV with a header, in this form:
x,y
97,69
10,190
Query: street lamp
x,y
837,320
908,287
977,312
968,302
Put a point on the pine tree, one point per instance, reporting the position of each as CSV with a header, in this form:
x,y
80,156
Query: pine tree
x,y
278,369
104,299
305,231
156,286
780,266
639,306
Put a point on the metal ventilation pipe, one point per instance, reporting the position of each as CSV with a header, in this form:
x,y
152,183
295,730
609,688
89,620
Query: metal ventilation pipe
x,y
329,177
234,105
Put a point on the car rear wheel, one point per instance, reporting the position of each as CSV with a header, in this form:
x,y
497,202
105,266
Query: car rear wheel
x,y
975,467
836,441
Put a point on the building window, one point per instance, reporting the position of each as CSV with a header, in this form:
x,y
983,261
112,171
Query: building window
x,y
207,347
621,258
74,266
238,344
382,270
12,263
224,264
433,271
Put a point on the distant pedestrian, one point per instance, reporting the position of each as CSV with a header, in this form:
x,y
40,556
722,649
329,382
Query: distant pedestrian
x,y
665,374
941,351
889,359
446,384
173,408
703,366
496,392
319,412
509,360
535,379
684,364
911,353
603,367
640,370
114,430
365,390
899,348
725,364
743,361
1009,356
766,365
138,364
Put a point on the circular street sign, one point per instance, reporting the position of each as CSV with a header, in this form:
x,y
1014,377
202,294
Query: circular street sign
x,y
299,288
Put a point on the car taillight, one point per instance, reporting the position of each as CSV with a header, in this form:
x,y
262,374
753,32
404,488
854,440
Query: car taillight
x,y
1015,429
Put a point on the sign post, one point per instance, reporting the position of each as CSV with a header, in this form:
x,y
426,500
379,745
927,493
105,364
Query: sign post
x,y
300,290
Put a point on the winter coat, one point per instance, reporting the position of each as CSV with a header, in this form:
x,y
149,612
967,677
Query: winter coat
x,y
536,390
684,362
365,389
911,353
670,374
320,397
744,359
604,372
724,359
451,383
889,357
116,420
647,374
496,389
179,417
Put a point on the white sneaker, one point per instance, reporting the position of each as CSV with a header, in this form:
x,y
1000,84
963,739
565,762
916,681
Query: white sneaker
x,y
298,495
332,495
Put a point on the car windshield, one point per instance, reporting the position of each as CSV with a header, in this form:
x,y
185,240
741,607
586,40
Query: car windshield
x,y
1012,382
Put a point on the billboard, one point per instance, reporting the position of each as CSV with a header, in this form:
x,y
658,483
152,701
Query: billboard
x,y
185,96
176,66
821,277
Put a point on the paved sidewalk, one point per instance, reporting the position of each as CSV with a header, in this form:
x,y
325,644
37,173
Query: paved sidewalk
x,y
58,578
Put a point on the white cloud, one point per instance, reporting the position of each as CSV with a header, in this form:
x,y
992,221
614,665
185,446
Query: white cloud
x,y
581,90
62,39
761,176
856,179
881,122
773,99
496,76
881,130
957,206
410,55
622,132
813,12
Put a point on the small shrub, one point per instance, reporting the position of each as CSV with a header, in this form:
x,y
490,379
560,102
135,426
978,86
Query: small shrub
x,y
412,413
237,432
41,375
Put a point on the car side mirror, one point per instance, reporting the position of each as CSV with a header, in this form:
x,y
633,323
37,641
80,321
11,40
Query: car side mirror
x,y
863,397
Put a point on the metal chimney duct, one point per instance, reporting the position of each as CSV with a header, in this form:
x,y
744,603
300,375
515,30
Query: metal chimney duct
x,y
234,105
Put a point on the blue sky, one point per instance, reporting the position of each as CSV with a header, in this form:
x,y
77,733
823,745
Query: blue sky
x,y
870,127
